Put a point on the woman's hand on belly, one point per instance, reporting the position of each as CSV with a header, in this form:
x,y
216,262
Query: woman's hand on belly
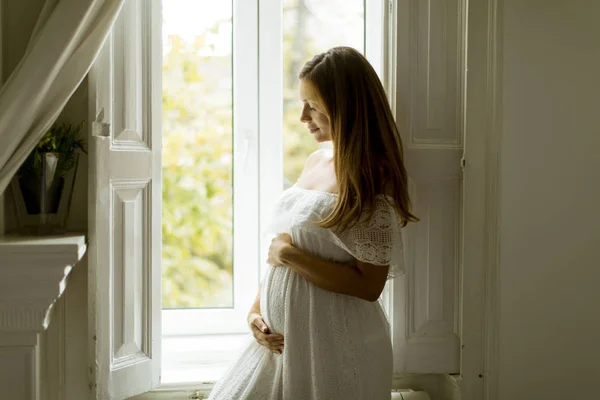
x,y
277,245
263,335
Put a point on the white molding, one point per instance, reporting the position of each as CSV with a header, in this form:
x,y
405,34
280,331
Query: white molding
x,y
68,246
61,343
1,51
390,54
33,277
270,101
376,13
248,78
2,199
19,357
53,368
402,383
479,302
18,318
493,217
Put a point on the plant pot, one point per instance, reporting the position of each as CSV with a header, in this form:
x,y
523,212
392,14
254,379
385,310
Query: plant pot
x,y
43,196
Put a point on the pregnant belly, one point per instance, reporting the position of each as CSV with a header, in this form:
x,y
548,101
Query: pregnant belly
x,y
273,298
288,301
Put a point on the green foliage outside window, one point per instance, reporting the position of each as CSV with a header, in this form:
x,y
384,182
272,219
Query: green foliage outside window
x,y
197,159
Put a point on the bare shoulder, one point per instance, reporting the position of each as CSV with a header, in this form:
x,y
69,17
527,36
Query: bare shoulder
x,y
316,172
317,156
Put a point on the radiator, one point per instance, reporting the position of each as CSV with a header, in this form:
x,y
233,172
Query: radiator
x,y
410,395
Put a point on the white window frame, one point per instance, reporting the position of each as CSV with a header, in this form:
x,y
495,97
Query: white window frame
x,y
384,61
246,236
257,127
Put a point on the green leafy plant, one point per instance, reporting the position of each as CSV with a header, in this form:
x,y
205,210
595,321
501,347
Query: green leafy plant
x,y
63,139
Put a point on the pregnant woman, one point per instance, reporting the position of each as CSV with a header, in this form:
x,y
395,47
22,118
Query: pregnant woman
x,y
320,332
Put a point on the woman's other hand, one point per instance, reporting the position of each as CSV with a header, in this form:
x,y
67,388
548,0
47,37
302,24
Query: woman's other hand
x,y
280,242
263,335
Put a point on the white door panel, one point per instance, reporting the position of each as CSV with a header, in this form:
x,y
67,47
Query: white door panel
x,y
429,110
125,195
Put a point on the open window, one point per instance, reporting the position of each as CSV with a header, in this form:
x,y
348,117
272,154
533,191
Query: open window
x,y
229,151
196,134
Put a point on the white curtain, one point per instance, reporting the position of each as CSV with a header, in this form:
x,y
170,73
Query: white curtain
x,y
65,41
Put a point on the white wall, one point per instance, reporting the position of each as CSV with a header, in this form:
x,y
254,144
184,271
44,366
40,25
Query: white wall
x,y
18,20
68,329
550,201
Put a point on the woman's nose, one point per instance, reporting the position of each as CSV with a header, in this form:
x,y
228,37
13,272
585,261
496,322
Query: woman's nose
x,y
304,117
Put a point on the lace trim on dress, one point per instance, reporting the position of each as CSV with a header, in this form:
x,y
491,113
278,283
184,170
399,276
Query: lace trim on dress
x,y
377,240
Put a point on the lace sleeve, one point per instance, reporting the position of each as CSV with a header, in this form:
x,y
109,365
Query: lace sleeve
x,y
377,240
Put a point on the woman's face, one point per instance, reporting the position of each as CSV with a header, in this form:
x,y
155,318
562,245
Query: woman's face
x,y
313,115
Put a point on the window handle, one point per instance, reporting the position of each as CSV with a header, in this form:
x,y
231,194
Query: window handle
x,y
246,151
100,128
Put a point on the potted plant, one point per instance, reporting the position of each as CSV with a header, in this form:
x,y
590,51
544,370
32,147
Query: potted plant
x,y
43,186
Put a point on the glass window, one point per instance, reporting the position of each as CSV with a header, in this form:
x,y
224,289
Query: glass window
x,y
197,154
211,198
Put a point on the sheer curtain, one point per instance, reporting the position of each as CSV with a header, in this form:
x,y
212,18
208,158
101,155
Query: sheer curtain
x,y
65,41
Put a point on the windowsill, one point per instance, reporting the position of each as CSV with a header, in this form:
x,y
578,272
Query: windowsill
x,y
201,390
201,358
193,364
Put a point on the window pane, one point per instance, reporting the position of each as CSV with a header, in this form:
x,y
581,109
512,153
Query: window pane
x,y
311,27
197,154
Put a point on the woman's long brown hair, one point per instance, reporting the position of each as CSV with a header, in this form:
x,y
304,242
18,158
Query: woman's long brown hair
x,y
368,157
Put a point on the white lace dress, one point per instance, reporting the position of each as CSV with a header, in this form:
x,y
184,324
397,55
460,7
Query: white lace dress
x,y
337,347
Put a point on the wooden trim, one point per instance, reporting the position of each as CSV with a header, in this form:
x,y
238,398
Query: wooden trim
x,y
480,280
200,391
55,354
493,219
2,199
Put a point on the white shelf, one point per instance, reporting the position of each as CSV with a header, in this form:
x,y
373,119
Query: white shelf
x,y
69,247
33,272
